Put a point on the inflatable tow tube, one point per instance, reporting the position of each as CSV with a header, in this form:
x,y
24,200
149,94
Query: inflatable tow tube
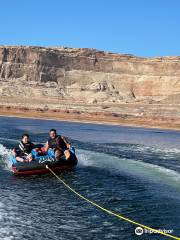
x,y
38,164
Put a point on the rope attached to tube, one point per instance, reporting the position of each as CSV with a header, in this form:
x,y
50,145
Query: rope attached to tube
x,y
109,211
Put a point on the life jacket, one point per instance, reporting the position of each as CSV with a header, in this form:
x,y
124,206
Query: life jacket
x,y
57,143
24,148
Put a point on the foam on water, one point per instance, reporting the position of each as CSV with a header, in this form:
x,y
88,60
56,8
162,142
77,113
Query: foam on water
x,y
9,139
5,157
166,152
118,165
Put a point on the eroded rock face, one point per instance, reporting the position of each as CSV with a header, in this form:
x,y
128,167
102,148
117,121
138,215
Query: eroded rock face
x,y
87,75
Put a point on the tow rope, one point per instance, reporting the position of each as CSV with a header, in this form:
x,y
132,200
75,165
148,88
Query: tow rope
x,y
109,211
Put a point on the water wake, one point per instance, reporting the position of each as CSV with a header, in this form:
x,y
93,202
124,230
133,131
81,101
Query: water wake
x,y
131,167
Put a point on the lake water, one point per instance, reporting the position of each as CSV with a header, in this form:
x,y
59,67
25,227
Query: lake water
x,y
131,171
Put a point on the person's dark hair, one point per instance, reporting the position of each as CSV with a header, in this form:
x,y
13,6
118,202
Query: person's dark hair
x,y
52,130
25,135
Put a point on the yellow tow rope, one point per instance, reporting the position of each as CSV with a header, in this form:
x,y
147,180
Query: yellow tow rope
x,y
109,211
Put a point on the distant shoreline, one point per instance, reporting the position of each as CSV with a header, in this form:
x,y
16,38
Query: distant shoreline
x,y
90,117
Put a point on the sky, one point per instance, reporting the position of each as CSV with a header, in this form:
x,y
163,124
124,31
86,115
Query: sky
x,y
146,28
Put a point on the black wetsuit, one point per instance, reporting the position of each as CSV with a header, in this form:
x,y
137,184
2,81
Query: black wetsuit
x,y
23,149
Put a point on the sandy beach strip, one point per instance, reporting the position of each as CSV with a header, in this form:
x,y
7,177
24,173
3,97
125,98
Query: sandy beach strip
x,y
90,117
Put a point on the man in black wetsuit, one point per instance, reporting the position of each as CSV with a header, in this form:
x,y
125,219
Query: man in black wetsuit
x,y
59,144
22,152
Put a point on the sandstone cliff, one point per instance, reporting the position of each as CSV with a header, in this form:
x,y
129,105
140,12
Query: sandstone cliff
x,y
87,80
87,75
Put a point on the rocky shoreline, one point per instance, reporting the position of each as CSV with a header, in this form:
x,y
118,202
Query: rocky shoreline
x,y
98,117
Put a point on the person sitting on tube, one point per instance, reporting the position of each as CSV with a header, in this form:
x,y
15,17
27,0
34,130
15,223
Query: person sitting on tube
x,y
22,152
59,144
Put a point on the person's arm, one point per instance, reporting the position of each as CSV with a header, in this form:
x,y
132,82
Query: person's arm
x,y
68,144
46,146
19,159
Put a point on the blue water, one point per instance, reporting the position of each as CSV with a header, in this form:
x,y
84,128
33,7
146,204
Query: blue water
x,y
132,171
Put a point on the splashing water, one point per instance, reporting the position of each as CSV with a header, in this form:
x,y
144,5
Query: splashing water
x,y
5,157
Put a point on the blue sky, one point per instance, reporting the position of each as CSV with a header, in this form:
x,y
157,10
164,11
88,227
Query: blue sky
x,y
139,27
